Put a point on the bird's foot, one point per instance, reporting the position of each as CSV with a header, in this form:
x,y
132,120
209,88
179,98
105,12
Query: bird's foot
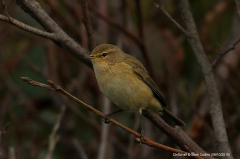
x,y
106,118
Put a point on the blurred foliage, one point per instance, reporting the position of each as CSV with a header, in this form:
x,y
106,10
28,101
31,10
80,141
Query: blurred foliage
x,y
27,113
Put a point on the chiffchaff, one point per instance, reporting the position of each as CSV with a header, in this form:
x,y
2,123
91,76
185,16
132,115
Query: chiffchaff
x,y
124,81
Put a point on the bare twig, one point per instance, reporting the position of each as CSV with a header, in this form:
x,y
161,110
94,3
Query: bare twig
x,y
53,87
220,55
28,28
161,8
222,142
53,139
88,25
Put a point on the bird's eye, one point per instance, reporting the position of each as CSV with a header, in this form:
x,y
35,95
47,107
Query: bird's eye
x,y
104,54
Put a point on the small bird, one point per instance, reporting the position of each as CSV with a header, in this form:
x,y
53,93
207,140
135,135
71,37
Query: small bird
x,y
124,81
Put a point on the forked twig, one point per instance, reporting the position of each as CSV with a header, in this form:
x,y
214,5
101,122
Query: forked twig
x,y
220,55
161,8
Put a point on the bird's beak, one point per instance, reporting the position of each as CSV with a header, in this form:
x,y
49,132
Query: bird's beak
x,y
91,56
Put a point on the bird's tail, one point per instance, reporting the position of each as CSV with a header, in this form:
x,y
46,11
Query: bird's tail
x,y
171,119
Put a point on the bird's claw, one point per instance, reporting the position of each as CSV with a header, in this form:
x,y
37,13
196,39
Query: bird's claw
x,y
106,118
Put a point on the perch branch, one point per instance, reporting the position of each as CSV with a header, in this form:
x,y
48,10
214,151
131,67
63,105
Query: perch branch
x,y
53,87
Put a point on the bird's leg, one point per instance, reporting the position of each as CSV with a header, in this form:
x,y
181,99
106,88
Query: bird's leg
x,y
107,116
142,131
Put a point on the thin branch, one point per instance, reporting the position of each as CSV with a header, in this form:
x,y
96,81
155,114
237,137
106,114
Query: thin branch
x,y
222,142
28,28
88,25
53,139
161,8
53,87
220,55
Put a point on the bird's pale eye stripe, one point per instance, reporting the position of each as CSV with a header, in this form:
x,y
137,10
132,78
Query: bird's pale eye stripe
x,y
103,54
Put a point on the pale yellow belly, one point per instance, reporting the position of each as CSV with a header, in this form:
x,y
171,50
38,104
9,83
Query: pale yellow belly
x,y
127,91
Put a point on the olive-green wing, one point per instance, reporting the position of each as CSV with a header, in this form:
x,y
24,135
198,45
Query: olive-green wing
x,y
141,72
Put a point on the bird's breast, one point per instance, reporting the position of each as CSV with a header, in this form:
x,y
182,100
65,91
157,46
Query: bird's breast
x,y
119,83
